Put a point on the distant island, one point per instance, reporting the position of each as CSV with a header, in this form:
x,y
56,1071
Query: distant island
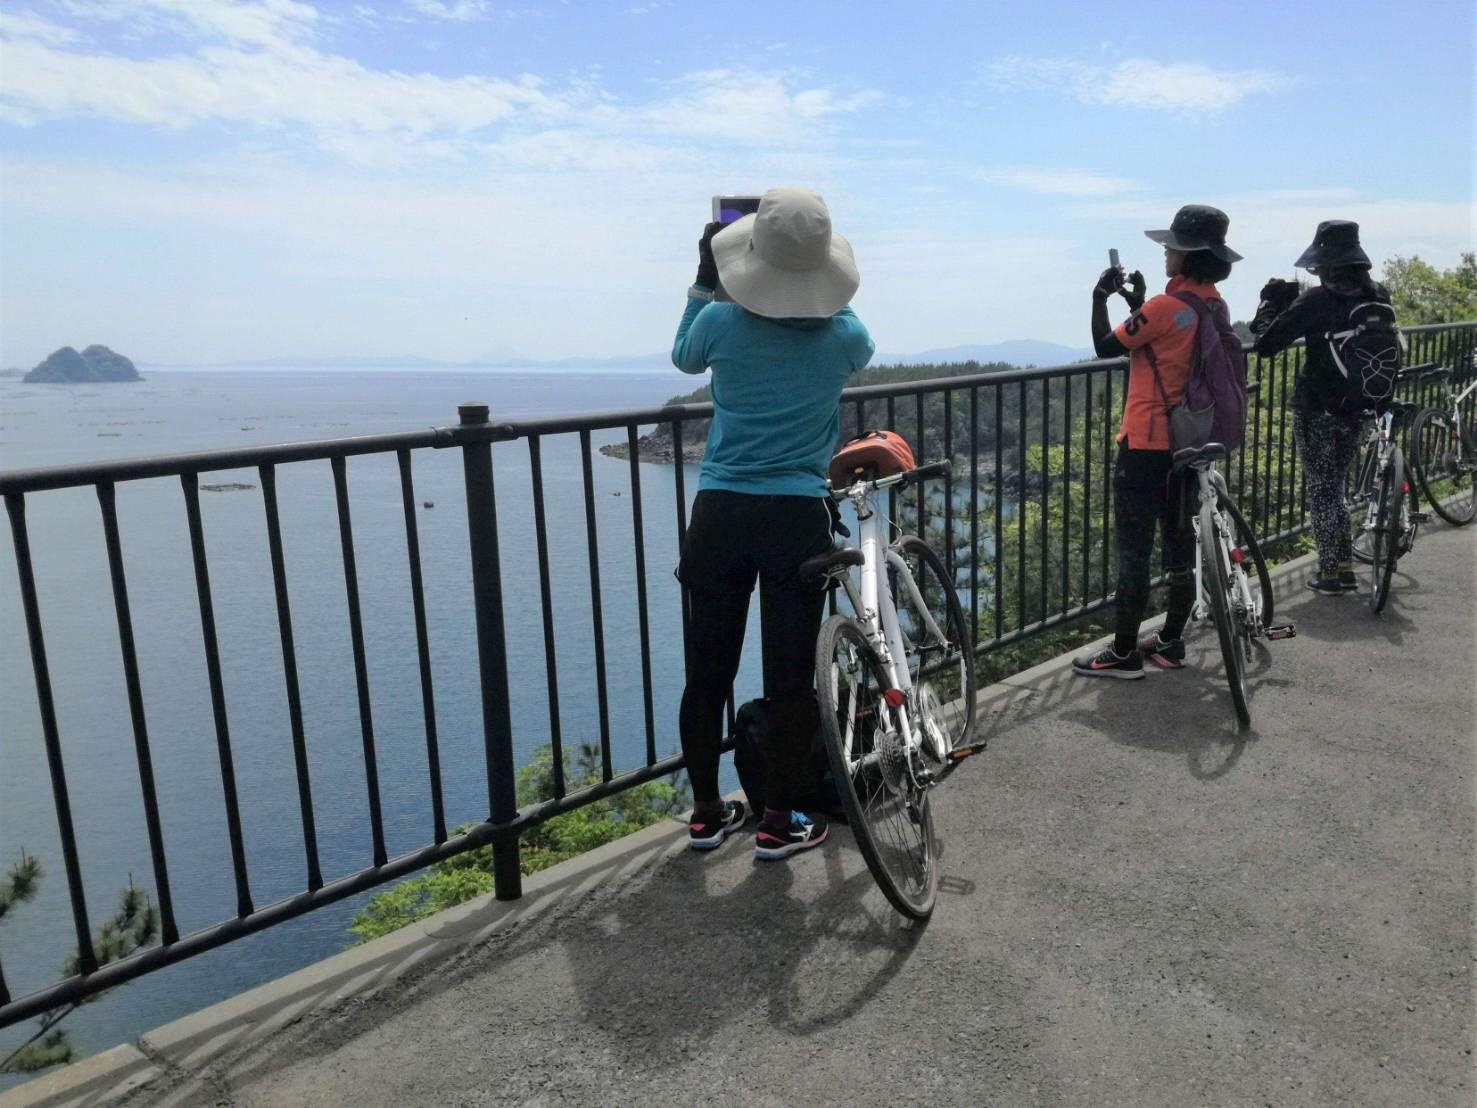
x,y
95,364
12,371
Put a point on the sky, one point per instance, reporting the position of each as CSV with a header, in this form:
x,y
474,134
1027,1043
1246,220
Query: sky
x,y
200,181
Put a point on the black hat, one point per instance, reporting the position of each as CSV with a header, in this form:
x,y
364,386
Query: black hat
x,y
1336,242
1198,227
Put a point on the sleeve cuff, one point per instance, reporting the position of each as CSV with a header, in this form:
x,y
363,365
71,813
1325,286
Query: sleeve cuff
x,y
699,292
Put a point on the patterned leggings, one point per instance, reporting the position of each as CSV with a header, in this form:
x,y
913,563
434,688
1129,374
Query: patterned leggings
x,y
1327,443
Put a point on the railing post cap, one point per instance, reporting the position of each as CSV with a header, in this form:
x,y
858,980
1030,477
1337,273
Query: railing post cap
x,y
472,411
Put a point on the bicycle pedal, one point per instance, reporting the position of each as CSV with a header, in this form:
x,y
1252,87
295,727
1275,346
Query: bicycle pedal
x,y
1281,631
1420,517
960,753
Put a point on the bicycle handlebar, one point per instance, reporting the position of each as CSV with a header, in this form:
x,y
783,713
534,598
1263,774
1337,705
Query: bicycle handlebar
x,y
944,468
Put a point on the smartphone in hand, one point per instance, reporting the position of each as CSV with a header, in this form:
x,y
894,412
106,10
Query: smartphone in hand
x,y
727,209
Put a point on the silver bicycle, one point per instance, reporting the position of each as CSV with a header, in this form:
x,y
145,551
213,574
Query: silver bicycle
x,y
896,685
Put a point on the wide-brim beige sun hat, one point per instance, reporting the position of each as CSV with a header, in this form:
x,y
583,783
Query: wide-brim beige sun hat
x,y
784,261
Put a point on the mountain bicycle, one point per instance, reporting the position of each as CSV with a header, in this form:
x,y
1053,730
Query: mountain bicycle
x,y
1443,451
1240,603
896,685
1380,512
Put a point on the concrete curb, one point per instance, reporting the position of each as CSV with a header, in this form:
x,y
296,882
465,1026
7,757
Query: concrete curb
x,y
182,1049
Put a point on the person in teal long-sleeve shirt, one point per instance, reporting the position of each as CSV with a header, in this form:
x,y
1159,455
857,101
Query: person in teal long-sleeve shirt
x,y
780,353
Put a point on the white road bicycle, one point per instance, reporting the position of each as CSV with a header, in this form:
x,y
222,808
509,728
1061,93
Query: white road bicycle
x,y
896,685
1443,451
1239,602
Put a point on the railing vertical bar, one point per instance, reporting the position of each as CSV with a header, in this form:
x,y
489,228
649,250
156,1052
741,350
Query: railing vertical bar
x,y
15,504
597,614
1045,490
361,664
169,930
974,512
1109,585
492,651
190,484
860,411
1066,492
1020,505
997,579
639,528
268,475
921,429
4,992
546,602
679,478
422,644
949,558
1087,531
892,507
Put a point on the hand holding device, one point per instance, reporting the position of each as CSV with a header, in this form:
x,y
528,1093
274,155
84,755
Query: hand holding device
x,y
727,209
707,268
1135,290
1108,282
1280,293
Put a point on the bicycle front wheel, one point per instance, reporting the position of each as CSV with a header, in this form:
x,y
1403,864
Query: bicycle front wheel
x,y
889,814
939,646
1216,580
1358,488
1443,466
1389,535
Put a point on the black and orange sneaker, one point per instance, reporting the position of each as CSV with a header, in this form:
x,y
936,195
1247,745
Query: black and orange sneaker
x,y
707,834
1164,653
801,833
1107,664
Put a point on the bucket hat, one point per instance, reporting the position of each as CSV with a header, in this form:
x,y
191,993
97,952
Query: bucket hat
x,y
784,261
1198,227
1336,242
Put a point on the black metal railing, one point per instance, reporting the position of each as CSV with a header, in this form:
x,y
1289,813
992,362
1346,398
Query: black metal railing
x,y
1025,522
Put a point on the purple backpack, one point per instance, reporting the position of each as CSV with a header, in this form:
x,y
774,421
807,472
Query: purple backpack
x,y
1214,405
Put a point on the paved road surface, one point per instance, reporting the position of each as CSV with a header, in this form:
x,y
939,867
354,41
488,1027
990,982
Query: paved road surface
x,y
1140,908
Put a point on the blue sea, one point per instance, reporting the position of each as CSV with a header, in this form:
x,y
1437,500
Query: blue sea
x,y
176,410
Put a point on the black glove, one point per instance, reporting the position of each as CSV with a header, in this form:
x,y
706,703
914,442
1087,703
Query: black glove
x,y
707,268
1134,291
1280,293
1108,282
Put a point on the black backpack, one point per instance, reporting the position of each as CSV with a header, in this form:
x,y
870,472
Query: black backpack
x,y
815,791
1368,351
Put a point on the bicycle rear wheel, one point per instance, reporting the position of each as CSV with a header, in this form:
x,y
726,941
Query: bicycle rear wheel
x,y
1388,536
889,814
1258,579
1216,581
1443,466
941,668
1358,488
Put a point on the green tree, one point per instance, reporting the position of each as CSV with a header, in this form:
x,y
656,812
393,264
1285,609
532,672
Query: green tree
x,y
134,925
565,836
1424,294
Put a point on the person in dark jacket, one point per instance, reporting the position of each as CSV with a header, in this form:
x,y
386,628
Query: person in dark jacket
x,y
1325,422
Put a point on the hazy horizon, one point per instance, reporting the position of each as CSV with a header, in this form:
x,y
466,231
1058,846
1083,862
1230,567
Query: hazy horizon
x,y
222,180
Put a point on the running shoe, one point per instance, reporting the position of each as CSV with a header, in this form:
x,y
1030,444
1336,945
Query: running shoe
x,y
1107,664
1327,586
1347,581
1166,654
801,833
709,834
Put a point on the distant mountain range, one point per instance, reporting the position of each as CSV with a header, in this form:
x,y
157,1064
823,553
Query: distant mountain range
x,y
1021,352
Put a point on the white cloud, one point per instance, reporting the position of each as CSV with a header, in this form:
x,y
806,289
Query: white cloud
x,y
264,23
1061,182
748,106
22,25
1137,82
460,11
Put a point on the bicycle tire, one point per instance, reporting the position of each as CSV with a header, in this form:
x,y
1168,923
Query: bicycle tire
x,y
1246,541
1217,582
1387,537
1357,490
893,832
951,672
1433,462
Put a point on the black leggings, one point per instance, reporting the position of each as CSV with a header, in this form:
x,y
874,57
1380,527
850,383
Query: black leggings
x,y
1327,443
1148,496
733,540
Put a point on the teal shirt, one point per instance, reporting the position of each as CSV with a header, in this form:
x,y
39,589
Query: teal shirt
x,y
776,393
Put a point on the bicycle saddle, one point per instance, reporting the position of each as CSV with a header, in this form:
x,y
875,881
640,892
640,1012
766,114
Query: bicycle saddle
x,y
813,569
1195,455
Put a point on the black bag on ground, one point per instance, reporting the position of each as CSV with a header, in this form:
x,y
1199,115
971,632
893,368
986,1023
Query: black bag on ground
x,y
756,741
1368,350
